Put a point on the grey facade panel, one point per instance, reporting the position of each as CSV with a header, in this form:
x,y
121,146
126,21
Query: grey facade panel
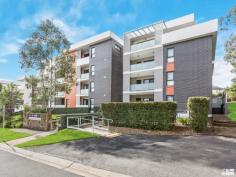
x,y
117,73
108,78
102,78
193,69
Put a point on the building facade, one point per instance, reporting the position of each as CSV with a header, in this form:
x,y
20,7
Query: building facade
x,y
170,60
99,62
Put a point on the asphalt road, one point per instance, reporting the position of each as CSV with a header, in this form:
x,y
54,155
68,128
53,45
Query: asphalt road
x,y
152,156
16,166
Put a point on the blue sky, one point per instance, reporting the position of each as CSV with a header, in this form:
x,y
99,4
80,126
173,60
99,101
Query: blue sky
x,y
80,19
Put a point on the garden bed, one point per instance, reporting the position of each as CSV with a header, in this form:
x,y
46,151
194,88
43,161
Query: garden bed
x,y
178,130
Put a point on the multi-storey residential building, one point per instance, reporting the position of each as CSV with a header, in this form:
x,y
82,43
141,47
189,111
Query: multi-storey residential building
x,y
170,60
99,71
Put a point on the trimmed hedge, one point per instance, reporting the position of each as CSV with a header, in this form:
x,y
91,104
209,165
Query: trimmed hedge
x,y
145,115
199,108
69,110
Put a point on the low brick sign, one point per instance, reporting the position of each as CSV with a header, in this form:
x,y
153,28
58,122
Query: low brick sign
x,y
37,121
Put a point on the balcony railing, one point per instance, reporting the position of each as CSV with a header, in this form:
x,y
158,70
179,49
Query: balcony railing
x,y
142,66
60,94
84,76
142,45
83,61
84,92
142,87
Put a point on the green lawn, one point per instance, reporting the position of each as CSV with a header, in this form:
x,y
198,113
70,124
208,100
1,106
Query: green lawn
x,y
9,134
61,136
232,111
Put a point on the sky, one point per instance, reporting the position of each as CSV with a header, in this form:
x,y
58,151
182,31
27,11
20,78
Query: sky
x,y
80,19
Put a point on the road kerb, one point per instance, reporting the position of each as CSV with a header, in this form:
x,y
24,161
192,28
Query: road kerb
x,y
63,164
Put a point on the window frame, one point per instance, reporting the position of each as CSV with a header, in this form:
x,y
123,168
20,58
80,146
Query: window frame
x,y
93,52
92,70
92,86
92,102
170,58
169,96
170,80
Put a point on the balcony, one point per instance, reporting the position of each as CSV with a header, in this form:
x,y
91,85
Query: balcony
x,y
142,87
142,66
84,76
60,94
84,92
82,61
82,106
142,45
60,80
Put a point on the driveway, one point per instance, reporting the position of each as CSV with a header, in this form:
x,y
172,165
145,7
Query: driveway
x,y
152,156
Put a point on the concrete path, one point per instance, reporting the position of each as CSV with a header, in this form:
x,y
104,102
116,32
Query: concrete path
x,y
29,138
25,130
12,165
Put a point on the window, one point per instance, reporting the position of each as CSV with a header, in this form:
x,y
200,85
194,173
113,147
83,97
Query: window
x,y
170,98
85,101
92,70
170,78
138,99
138,81
117,47
93,52
92,86
170,55
92,102
146,81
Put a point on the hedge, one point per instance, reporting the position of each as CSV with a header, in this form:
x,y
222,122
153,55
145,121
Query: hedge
x,y
69,110
145,115
199,108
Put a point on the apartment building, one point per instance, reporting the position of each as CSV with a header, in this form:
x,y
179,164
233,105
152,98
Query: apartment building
x,y
170,60
99,62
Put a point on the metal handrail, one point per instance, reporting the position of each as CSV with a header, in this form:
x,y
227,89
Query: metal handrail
x,y
95,118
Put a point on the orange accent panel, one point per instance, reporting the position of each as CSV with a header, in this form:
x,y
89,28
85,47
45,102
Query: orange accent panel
x,y
170,90
71,98
170,66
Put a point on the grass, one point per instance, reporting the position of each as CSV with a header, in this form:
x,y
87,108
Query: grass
x,y
9,134
61,136
232,111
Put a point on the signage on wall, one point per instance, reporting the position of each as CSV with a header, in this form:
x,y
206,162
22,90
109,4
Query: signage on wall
x,y
34,117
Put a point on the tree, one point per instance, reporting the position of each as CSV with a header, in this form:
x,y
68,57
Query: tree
x,y
230,45
32,84
45,51
9,96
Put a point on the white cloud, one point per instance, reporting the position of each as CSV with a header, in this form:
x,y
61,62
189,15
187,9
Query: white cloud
x,y
9,49
73,32
3,60
119,18
222,73
76,10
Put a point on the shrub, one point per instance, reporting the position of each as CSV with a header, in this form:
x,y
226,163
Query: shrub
x,y
69,110
183,121
149,115
199,108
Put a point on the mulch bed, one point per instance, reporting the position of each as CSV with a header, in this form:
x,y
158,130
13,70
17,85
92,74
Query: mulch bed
x,y
178,130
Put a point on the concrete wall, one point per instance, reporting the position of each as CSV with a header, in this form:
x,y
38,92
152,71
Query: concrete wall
x,y
193,69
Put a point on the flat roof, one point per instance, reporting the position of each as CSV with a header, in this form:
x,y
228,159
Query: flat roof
x,y
96,39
